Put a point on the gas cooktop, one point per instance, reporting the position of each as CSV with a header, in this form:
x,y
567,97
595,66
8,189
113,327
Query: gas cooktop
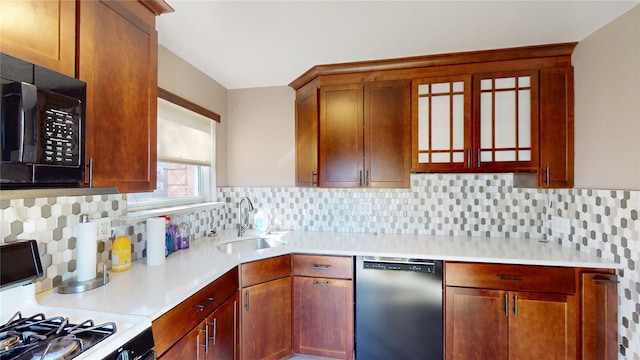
x,y
29,330
39,337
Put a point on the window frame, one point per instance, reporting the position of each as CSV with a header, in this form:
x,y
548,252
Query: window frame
x,y
207,181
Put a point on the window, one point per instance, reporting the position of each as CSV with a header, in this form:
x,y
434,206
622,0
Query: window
x,y
186,149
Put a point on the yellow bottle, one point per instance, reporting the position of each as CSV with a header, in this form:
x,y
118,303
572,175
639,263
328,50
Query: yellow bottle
x,y
121,254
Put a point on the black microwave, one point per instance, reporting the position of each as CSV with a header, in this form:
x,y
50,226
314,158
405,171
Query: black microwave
x,y
43,127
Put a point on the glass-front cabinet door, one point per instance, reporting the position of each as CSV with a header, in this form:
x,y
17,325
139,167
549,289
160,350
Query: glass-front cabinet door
x,y
441,121
481,122
506,121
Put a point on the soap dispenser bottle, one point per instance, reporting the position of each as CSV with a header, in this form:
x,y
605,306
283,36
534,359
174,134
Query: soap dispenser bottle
x,y
121,253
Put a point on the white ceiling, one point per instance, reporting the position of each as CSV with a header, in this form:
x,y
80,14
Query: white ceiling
x,y
245,44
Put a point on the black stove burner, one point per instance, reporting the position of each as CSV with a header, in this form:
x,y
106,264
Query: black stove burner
x,y
41,338
65,347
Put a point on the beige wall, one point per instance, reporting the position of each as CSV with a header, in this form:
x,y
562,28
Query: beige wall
x,y
607,106
260,137
181,78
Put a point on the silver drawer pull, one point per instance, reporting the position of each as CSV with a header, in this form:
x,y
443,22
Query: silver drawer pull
x,y
605,281
509,278
321,283
211,300
321,267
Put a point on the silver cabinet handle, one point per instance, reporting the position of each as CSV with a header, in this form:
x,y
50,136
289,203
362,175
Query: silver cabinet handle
x,y
321,267
313,178
506,305
468,158
321,283
547,176
246,301
479,153
605,281
509,278
206,338
91,172
367,178
215,330
210,301
515,305
360,179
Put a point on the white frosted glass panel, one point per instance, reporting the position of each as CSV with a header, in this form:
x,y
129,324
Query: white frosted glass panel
x,y
440,123
423,158
524,118
485,156
423,89
441,158
441,88
423,123
505,124
485,120
458,86
506,83
458,157
458,122
485,84
509,155
524,81
525,155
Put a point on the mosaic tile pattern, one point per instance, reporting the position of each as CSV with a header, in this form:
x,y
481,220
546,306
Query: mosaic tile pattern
x,y
603,222
52,222
467,205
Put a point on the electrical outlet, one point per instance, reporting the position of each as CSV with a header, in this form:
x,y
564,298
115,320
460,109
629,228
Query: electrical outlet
x,y
104,228
365,207
560,225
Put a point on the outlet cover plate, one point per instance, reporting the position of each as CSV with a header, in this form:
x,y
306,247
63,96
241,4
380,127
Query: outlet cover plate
x,y
104,228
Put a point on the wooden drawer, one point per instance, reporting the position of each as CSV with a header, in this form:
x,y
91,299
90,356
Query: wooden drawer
x,y
260,271
546,279
336,267
170,327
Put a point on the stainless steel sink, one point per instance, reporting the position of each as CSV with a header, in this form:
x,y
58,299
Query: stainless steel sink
x,y
251,244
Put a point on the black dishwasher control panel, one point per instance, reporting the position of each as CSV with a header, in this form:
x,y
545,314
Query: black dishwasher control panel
x,y
421,266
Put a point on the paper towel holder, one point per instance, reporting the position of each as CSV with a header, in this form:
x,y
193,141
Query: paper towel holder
x,y
73,286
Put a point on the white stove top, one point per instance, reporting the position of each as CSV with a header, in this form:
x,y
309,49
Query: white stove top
x,y
23,299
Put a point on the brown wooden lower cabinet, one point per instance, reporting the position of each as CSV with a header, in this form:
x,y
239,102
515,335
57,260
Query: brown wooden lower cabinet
x,y
191,346
323,306
510,312
204,326
265,309
599,316
266,320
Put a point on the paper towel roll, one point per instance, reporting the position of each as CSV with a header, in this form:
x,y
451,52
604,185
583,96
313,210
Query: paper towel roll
x,y
155,241
87,245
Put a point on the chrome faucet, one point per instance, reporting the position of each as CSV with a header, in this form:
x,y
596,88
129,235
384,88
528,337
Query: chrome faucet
x,y
243,218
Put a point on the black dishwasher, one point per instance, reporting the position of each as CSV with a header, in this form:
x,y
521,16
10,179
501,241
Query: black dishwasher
x,y
398,313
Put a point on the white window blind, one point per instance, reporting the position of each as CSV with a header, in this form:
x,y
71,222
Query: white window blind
x,y
184,136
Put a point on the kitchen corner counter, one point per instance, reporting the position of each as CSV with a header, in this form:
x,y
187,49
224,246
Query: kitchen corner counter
x,y
153,290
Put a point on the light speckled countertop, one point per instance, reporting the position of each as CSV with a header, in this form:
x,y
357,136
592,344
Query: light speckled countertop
x,y
151,291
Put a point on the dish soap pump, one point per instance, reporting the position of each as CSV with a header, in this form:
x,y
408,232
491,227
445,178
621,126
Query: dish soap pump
x,y
121,253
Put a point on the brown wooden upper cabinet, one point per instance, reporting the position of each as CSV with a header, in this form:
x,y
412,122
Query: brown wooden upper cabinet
x,y
122,92
41,32
353,134
506,110
498,133
116,54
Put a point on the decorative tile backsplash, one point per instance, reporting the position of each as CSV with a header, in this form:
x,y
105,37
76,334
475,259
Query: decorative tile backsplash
x,y
602,222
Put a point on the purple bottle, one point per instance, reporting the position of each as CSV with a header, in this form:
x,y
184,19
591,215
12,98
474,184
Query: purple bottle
x,y
173,231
